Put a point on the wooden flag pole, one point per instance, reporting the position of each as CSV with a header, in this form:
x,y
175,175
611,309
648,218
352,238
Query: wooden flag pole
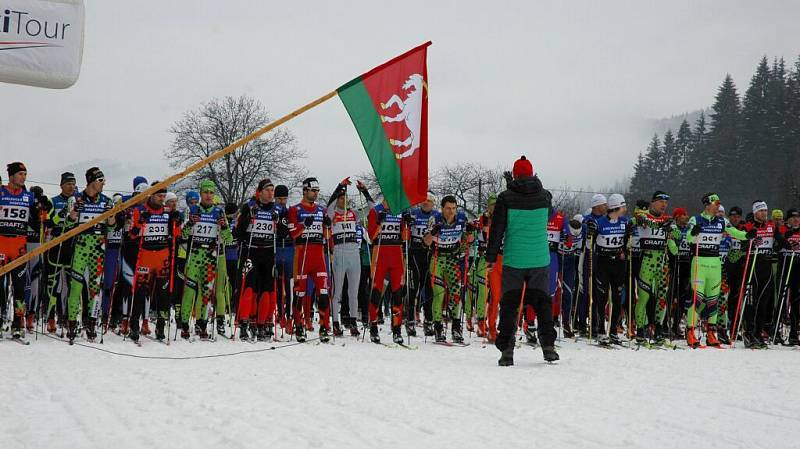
x,y
163,184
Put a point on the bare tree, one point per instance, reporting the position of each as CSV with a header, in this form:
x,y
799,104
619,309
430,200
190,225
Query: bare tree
x,y
218,124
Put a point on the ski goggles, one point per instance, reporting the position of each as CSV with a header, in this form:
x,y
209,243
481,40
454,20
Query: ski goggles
x,y
661,196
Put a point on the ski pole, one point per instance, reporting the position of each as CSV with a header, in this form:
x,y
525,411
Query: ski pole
x,y
744,292
696,263
245,269
305,285
591,285
784,292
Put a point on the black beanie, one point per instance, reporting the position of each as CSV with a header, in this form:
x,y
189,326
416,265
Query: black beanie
x,y
281,191
67,177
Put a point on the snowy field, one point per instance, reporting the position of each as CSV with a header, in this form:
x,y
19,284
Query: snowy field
x,y
362,395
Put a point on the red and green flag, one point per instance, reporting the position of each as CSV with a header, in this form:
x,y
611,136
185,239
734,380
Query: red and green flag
x,y
389,108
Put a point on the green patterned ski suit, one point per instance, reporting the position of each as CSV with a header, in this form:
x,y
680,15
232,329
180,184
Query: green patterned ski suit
x,y
204,237
86,270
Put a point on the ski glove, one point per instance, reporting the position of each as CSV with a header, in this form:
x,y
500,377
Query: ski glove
x,y
408,218
308,221
591,226
436,229
381,216
751,234
695,231
326,221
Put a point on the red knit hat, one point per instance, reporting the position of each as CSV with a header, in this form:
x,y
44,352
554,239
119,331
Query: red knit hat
x,y
679,212
522,168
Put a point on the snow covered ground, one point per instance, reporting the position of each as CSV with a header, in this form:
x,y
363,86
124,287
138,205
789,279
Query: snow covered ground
x,y
361,395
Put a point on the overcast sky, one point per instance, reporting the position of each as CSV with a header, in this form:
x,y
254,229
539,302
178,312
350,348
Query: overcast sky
x,y
569,84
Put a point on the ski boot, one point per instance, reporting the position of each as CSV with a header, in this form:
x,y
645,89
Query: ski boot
x,y
269,331
456,332
299,333
550,354
185,331
427,328
481,328
160,323
612,339
530,335
658,335
244,331
221,325
373,333
89,327
72,330
145,327
411,328
203,326
722,335
711,336
29,322
324,334
507,356
261,333
124,327
793,340
470,326
691,339
337,329
438,331
568,333
354,329
397,336
641,336
309,325
51,326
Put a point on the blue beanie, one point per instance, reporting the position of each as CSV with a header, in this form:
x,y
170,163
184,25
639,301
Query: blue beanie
x,y
192,195
138,180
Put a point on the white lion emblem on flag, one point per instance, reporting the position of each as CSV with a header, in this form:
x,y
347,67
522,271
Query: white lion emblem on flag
x,y
410,113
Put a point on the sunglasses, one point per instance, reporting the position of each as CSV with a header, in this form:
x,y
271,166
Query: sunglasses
x,y
314,190
100,180
662,196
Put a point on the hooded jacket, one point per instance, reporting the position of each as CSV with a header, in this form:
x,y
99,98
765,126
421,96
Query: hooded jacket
x,y
519,224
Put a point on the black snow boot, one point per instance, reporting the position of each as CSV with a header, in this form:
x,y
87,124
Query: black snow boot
x,y
549,353
507,356
427,328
